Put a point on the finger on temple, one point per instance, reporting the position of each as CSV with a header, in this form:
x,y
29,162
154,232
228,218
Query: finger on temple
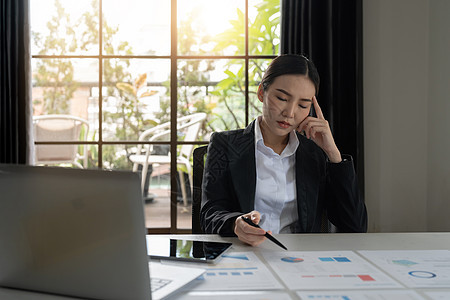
x,y
318,109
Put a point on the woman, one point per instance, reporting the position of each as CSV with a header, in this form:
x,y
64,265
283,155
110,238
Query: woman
x,y
283,180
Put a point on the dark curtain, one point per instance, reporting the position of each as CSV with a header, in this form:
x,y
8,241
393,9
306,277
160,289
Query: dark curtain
x,y
15,74
329,32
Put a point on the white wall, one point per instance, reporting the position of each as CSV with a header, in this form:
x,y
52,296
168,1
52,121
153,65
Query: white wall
x,y
406,93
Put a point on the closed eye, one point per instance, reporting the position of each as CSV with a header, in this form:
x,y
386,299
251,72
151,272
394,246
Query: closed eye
x,y
302,106
281,99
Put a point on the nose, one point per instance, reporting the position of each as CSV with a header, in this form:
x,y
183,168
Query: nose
x,y
289,110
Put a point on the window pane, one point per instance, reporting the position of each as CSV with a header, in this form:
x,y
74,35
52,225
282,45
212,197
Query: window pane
x,y
215,87
264,27
61,27
136,98
75,156
184,199
63,94
256,67
116,157
136,27
156,187
211,27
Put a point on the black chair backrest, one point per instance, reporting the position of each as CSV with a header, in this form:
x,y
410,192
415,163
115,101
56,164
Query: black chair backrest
x,y
326,226
197,178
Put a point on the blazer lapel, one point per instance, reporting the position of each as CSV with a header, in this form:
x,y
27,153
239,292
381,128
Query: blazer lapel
x,y
308,185
301,189
243,168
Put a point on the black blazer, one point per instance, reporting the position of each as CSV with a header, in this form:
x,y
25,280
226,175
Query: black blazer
x,y
229,183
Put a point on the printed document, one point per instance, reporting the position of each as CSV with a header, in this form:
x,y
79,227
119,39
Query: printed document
x,y
361,295
438,295
235,271
414,268
312,270
236,295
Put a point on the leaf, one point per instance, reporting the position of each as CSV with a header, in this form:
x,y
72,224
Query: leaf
x,y
126,87
148,94
240,14
211,106
215,93
240,73
267,48
150,122
182,168
225,83
140,81
230,74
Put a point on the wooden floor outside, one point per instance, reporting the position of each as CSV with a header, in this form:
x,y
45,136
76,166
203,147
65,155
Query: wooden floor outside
x,y
157,212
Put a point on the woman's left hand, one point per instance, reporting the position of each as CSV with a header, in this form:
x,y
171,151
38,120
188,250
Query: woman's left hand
x,y
319,131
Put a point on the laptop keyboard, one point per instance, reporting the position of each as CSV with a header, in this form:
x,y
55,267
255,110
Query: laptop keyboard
x,y
157,283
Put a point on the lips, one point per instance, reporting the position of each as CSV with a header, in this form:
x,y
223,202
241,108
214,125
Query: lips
x,y
284,124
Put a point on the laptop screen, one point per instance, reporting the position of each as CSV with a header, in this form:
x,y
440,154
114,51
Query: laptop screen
x,y
73,232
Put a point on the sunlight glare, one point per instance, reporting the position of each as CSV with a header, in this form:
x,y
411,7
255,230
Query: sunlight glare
x,y
203,20
213,16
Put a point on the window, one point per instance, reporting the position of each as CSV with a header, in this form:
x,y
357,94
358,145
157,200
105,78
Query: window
x,y
126,70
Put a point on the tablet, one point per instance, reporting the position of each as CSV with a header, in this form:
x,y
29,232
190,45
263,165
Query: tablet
x,y
187,250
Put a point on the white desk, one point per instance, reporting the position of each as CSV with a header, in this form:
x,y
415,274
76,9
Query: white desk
x,y
354,242
305,242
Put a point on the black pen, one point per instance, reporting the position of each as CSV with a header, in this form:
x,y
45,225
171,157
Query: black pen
x,y
267,235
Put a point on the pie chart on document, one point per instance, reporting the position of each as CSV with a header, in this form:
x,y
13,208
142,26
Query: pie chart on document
x,y
292,259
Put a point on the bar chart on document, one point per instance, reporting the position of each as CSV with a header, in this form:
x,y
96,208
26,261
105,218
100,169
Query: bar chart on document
x,y
327,270
237,271
414,268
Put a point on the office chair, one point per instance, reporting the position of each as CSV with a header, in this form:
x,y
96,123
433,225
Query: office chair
x,y
60,128
197,178
326,226
192,125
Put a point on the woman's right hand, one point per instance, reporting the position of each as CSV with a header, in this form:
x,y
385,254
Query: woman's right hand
x,y
249,234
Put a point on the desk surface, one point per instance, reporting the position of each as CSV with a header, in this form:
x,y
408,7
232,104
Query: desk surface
x,y
344,241
305,242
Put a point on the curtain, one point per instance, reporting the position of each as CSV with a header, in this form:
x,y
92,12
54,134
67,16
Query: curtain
x,y
329,32
15,88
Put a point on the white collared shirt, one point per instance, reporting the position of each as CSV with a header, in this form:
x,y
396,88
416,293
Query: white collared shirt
x,y
276,195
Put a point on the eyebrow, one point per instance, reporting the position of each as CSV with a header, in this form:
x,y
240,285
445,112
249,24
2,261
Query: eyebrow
x,y
288,94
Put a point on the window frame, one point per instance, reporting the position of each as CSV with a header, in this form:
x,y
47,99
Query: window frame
x,y
174,57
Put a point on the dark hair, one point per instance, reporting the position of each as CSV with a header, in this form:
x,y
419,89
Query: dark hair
x,y
290,64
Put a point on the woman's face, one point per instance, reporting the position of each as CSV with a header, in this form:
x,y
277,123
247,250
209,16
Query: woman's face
x,y
286,103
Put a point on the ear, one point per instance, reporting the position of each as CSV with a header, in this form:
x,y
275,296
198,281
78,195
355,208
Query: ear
x,y
260,93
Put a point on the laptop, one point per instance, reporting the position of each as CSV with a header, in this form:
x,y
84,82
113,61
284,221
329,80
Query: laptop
x,y
79,233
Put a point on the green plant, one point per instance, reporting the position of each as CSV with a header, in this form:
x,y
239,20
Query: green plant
x,y
56,75
131,107
263,40
114,70
192,75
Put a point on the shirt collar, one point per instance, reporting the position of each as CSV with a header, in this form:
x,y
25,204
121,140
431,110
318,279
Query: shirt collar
x,y
290,148
258,133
